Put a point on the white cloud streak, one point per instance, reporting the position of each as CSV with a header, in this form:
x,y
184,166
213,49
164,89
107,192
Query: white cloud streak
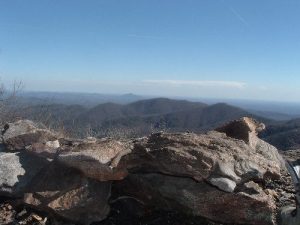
x,y
200,83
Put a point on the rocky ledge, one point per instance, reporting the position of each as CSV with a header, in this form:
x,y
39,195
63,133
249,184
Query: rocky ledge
x,y
226,176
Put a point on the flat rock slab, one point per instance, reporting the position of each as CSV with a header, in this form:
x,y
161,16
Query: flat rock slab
x,y
98,159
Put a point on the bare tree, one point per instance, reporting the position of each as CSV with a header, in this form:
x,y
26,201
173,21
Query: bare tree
x,y
8,102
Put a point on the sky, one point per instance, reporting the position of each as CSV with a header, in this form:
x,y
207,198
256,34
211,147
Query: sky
x,y
245,49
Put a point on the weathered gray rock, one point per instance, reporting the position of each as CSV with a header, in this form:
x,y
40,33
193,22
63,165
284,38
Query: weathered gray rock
x,y
16,172
18,135
10,170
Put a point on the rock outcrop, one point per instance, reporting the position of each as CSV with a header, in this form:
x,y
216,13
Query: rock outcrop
x,y
219,175
22,133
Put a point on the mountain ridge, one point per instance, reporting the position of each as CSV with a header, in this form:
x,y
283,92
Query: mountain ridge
x,y
141,117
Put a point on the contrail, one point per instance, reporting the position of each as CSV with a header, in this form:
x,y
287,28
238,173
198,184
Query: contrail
x,y
145,36
238,16
235,13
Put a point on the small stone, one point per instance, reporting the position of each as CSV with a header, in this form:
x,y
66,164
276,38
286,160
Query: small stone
x,y
53,144
37,217
91,140
22,213
224,184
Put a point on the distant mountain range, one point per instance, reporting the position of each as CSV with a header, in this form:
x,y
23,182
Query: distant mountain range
x,y
268,109
73,98
135,119
138,118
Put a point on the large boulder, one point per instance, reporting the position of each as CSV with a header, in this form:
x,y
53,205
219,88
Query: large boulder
x,y
19,164
213,157
23,133
29,170
210,157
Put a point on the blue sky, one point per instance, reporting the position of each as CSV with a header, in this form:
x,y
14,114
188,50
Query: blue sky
x,y
197,48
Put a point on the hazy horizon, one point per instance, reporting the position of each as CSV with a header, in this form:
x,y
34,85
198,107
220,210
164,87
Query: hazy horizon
x,y
189,98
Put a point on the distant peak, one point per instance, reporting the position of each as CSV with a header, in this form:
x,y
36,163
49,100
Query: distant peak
x,y
129,95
